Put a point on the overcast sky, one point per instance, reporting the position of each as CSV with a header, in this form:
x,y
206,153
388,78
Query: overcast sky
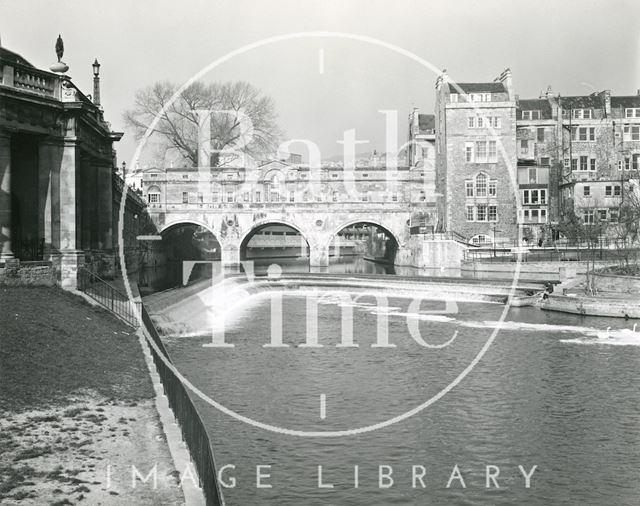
x,y
576,46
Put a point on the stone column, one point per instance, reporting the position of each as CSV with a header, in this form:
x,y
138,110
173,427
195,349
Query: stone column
x,y
71,257
49,158
318,256
6,253
105,218
230,257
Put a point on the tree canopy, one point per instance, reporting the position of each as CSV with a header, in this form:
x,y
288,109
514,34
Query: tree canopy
x,y
177,128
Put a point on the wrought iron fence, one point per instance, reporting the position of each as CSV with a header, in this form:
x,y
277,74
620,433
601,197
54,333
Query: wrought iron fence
x,y
108,296
193,430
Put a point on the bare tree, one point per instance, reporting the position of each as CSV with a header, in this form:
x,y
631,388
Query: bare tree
x,y
177,128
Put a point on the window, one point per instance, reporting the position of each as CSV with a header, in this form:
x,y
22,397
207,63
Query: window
x,y
229,197
525,197
394,197
469,188
602,214
493,213
584,161
185,197
200,198
481,213
495,122
479,97
214,197
608,191
453,97
583,134
365,197
245,197
636,161
533,175
617,191
365,175
631,133
481,151
334,175
258,197
574,164
292,197
471,122
527,115
153,198
540,134
544,160
493,151
481,239
586,191
567,163
613,215
185,176
468,151
423,196
632,112
481,185
524,146
492,188
469,213
335,196
582,114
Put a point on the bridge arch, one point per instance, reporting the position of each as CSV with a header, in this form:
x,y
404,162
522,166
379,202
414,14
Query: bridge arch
x,y
301,249
366,220
187,221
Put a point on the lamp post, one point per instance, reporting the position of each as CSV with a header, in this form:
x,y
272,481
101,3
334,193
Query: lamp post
x,y
96,83
495,229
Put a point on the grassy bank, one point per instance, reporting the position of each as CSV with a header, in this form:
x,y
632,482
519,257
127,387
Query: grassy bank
x,y
76,406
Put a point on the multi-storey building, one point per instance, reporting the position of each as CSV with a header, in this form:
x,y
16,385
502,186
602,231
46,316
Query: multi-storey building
x,y
538,157
476,157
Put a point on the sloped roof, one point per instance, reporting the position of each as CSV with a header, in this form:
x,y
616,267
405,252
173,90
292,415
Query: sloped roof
x,y
493,87
629,101
582,102
5,54
534,104
426,122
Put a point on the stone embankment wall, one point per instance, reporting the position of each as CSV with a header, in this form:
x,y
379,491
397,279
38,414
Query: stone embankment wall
x,y
618,284
28,273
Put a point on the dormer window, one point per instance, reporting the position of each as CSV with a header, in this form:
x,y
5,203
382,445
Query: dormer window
x,y
632,112
532,114
582,114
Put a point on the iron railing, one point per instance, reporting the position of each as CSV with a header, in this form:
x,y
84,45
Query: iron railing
x,y
193,430
108,296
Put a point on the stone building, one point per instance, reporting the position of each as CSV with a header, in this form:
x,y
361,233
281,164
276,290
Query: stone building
x,y
476,158
539,163
56,170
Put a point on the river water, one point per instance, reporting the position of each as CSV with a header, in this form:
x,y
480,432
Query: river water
x,y
551,391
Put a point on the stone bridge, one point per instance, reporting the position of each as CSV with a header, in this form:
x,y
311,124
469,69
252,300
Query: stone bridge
x,y
318,224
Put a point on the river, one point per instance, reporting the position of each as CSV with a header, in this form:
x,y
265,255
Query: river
x,y
549,392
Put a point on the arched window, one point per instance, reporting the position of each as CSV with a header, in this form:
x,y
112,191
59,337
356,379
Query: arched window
x,y
481,239
481,185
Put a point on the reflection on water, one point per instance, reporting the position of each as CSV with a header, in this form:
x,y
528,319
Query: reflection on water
x,y
537,398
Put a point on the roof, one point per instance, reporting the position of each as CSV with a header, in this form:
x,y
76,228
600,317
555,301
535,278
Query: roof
x,y
426,122
493,87
5,54
629,101
582,102
534,104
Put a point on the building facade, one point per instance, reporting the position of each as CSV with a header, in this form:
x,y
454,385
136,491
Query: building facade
x,y
476,158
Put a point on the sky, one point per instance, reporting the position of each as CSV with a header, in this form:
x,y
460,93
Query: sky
x,y
577,47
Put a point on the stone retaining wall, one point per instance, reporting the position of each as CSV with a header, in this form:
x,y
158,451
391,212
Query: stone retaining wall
x,y
616,283
18,273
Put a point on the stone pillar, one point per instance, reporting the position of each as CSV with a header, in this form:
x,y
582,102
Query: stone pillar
x,y
71,256
230,257
318,256
6,253
49,157
105,218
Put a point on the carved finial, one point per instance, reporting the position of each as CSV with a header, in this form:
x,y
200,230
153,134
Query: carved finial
x,y
59,47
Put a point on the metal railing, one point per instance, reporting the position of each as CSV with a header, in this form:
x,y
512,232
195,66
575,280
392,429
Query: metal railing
x,y
557,254
193,430
108,296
